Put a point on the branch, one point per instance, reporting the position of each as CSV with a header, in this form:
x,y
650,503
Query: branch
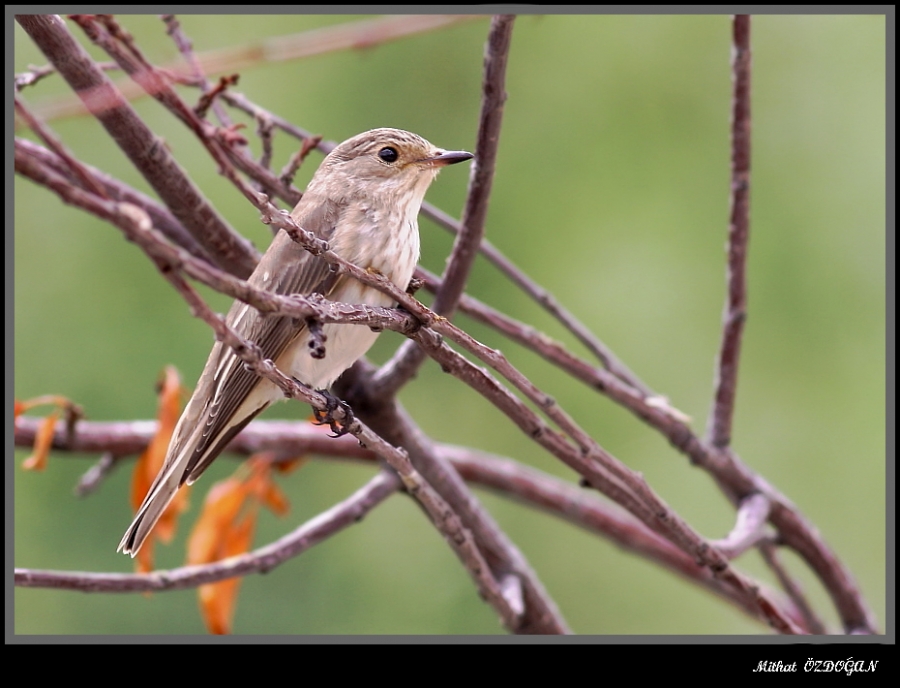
x,y
342,515
505,477
506,563
406,361
359,35
605,473
719,432
35,162
146,151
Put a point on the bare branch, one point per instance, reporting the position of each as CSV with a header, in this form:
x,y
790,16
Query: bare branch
x,y
540,614
186,48
719,431
407,360
361,34
505,477
606,474
342,515
749,529
73,167
145,150
35,162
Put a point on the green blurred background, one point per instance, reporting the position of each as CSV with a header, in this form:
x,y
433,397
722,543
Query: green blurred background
x,y
612,191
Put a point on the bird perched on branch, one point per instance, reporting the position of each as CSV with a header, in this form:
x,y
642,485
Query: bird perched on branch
x,y
364,200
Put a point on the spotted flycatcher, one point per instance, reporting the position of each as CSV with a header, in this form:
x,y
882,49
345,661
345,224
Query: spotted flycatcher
x,y
364,201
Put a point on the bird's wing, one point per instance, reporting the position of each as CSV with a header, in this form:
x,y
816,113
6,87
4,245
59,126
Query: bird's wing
x,y
286,268
208,422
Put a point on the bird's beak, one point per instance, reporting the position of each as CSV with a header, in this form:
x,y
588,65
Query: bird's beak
x,y
447,158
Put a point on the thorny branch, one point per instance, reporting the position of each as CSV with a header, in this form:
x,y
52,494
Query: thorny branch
x,y
109,199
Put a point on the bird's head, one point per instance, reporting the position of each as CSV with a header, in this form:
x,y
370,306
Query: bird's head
x,y
383,162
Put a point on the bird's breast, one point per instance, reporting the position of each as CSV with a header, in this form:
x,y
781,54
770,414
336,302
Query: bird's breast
x,y
380,238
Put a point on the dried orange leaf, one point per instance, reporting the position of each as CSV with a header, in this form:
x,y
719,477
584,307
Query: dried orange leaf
x,y
42,442
286,467
218,600
220,509
275,499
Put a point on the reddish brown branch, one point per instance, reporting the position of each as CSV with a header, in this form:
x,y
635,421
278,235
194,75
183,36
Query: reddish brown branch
x,y
719,431
334,520
145,150
504,476
737,480
40,165
406,361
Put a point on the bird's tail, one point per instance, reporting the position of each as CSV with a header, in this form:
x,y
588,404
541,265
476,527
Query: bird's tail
x,y
159,496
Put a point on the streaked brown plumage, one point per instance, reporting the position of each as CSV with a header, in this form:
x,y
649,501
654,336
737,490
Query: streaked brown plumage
x,y
364,200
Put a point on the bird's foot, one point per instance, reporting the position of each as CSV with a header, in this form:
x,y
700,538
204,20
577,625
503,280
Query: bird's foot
x,y
326,417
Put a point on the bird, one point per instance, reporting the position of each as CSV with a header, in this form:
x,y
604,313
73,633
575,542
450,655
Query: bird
x,y
364,200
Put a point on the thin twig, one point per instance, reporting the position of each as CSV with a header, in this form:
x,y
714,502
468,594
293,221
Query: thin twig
x,y
408,358
186,48
39,164
719,430
505,477
546,300
262,560
749,528
358,34
62,153
792,588
106,33
96,474
145,150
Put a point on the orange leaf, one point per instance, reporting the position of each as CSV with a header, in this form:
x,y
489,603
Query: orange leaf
x,y
218,600
219,533
275,499
286,467
263,487
220,510
42,442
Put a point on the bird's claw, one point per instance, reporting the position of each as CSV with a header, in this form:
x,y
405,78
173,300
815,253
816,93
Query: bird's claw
x,y
326,417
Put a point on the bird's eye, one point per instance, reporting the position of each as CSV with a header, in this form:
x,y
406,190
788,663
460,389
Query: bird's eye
x,y
388,154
